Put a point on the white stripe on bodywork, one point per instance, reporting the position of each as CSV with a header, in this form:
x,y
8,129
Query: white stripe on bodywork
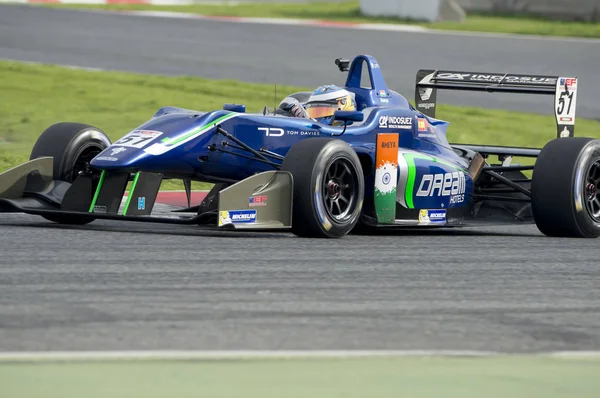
x,y
160,148
402,179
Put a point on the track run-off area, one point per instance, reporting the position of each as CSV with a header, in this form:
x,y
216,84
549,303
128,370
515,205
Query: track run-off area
x,y
293,54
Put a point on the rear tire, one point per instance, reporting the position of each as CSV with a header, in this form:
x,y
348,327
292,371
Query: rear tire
x,y
565,188
328,187
73,146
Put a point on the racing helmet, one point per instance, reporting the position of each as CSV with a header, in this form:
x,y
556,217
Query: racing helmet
x,y
325,100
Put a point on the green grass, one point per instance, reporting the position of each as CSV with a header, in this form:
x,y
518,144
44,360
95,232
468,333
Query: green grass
x,y
488,377
33,97
349,11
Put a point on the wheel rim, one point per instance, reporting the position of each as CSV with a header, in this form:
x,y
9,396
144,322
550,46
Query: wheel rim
x,y
82,162
340,189
591,190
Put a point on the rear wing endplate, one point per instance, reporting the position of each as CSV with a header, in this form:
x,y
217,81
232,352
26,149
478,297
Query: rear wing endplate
x,y
564,90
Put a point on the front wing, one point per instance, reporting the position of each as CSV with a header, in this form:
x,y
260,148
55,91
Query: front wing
x,y
262,201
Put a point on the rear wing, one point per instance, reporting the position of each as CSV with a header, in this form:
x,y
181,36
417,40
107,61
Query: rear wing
x,y
564,90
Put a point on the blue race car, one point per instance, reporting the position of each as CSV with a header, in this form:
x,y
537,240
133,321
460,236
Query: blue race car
x,y
323,164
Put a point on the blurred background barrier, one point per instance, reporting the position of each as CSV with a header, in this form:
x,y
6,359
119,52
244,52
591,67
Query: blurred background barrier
x,y
452,10
424,10
582,10
427,10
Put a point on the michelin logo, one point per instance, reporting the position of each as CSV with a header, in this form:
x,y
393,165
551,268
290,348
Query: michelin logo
x,y
237,217
432,216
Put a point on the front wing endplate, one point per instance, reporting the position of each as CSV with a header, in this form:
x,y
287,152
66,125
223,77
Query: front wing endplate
x,y
263,200
34,175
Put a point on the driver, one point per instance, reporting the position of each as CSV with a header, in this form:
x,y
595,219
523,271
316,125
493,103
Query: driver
x,y
322,104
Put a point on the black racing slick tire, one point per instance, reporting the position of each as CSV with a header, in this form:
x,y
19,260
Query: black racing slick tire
x,y
73,146
565,188
328,187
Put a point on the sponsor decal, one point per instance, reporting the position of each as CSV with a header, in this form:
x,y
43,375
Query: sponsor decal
x,y
395,122
409,180
277,132
138,138
425,130
374,65
427,105
99,209
385,100
107,158
565,133
313,133
425,94
141,203
452,76
271,131
432,216
237,217
254,201
224,218
490,78
444,184
386,177
115,151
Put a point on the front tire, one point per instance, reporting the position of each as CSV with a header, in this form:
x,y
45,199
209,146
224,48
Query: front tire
x,y
328,187
565,188
73,146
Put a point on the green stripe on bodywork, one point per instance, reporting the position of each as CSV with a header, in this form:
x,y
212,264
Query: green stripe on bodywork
x,y
97,193
133,184
412,173
176,140
410,184
385,206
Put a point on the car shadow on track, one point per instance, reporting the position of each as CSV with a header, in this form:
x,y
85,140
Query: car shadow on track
x,y
212,231
174,230
454,231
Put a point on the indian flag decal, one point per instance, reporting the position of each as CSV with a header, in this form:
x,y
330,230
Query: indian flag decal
x,y
386,176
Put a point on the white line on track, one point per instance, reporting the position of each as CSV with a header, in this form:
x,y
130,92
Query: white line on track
x,y
28,356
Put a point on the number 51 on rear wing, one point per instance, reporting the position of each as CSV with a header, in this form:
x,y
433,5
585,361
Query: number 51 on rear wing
x,y
564,90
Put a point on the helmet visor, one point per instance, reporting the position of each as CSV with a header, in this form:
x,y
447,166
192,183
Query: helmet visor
x,y
319,110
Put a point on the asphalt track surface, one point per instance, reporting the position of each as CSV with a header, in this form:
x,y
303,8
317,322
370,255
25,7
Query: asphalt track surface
x,y
136,286
291,54
129,286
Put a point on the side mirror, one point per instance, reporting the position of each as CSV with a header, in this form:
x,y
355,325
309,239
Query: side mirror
x,y
349,116
342,64
235,108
